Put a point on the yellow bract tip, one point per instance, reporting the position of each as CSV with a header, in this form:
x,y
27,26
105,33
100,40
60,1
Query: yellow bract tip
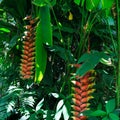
x,y
70,17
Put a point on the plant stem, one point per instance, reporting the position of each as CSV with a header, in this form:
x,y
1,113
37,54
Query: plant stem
x,y
118,38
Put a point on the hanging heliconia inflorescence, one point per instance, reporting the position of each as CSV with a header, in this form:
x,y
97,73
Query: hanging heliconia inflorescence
x,y
82,90
34,57
28,53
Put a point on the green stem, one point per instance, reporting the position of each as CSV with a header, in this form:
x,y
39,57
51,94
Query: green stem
x,y
118,38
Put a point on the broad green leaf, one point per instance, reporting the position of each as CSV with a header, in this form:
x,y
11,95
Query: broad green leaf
x,y
89,61
43,35
39,105
113,116
98,113
77,2
92,4
110,105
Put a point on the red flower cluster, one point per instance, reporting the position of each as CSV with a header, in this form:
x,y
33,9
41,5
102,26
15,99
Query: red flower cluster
x,y
83,87
28,56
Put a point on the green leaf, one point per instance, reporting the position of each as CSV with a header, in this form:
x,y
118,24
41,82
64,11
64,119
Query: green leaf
x,y
106,4
113,116
92,4
5,30
110,105
13,41
53,2
105,118
43,35
82,3
98,113
63,53
90,60
18,9
77,2
39,3
39,105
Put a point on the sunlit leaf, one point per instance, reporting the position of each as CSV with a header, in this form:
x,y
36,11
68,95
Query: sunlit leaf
x,y
56,95
65,113
5,30
39,105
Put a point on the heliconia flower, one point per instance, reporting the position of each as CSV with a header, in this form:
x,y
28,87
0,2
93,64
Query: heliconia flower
x,y
28,52
82,93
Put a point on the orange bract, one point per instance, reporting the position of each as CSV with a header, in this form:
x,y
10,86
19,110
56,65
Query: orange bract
x,y
83,87
27,61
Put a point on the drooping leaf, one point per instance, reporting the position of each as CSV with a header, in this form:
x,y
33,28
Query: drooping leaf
x,y
43,35
89,61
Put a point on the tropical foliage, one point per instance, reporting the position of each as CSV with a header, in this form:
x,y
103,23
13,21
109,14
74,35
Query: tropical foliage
x,y
59,59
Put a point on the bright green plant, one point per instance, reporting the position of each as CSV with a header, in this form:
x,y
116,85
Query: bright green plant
x,y
83,32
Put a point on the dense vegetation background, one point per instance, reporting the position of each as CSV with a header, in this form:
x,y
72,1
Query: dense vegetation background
x,y
83,32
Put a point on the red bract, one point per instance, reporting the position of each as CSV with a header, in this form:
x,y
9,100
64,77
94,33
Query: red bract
x,y
83,88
